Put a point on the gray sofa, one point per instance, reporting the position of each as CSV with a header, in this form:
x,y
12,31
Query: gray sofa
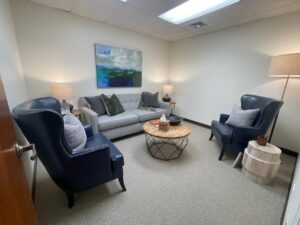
x,y
129,122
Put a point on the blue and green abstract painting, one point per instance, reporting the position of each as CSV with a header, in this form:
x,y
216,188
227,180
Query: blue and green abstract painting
x,y
118,67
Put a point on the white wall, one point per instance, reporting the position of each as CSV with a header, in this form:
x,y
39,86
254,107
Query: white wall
x,y
57,46
211,72
10,62
11,72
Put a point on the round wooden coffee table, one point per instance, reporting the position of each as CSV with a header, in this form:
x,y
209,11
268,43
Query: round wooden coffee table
x,y
166,145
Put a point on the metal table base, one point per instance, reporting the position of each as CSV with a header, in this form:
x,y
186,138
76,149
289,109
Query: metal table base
x,y
166,148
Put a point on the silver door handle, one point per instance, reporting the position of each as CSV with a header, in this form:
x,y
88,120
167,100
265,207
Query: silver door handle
x,y
21,149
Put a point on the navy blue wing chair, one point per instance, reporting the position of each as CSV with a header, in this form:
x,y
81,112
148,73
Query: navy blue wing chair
x,y
99,162
237,138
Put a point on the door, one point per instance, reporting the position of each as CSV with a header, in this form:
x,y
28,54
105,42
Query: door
x,y
16,206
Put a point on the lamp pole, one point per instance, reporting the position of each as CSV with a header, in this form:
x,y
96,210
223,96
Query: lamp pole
x,y
282,96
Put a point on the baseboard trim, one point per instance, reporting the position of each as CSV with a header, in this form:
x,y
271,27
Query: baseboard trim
x,y
284,150
289,152
288,194
197,123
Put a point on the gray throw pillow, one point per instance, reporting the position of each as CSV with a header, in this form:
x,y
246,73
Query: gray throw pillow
x,y
149,100
74,133
242,118
96,104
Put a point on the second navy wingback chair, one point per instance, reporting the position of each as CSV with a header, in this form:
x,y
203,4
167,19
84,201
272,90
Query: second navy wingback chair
x,y
237,138
99,162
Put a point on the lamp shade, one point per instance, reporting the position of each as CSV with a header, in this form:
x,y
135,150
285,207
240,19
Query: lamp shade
x,y
167,89
62,91
285,65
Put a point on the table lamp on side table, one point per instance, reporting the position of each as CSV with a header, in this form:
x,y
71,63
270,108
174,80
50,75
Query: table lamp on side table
x,y
167,90
63,92
287,66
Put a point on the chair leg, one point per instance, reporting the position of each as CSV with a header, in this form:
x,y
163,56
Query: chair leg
x,y
121,181
70,197
211,136
238,160
222,153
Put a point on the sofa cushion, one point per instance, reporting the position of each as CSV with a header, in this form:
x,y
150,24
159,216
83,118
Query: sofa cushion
x,y
129,101
223,131
106,122
116,156
112,105
149,115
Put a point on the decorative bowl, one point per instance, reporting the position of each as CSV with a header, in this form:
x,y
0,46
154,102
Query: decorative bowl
x,y
174,120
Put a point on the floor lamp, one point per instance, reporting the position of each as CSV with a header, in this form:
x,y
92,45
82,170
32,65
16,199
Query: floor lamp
x,y
287,66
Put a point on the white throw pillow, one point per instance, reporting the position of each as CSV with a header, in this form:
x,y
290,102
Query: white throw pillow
x,y
242,118
74,132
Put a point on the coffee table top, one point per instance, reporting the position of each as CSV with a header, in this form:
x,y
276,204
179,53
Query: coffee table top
x,y
178,131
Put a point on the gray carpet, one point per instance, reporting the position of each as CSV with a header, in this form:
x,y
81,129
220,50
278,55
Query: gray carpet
x,y
195,189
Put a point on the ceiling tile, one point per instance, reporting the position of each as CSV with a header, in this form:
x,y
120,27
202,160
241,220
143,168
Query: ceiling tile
x,y
128,17
155,25
279,11
97,9
175,33
142,15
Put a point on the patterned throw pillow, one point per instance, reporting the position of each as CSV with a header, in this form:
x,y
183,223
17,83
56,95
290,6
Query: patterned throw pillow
x,y
112,105
74,133
96,104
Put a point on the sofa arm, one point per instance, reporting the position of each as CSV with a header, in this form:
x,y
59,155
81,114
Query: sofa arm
x,y
223,118
164,105
90,117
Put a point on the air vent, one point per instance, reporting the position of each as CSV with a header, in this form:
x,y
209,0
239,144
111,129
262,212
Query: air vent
x,y
198,25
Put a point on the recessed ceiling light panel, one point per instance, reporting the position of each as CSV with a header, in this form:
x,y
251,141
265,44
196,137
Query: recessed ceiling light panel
x,y
194,8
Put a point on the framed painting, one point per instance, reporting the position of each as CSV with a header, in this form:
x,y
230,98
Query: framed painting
x,y
118,67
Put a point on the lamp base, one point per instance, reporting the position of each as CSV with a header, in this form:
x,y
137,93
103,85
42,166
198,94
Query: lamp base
x,y
166,98
65,105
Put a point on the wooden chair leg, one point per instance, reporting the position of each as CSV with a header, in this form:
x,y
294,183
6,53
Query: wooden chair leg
x,y
222,154
121,181
211,136
70,197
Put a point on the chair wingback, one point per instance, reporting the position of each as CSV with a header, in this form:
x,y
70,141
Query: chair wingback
x,y
269,109
41,123
39,103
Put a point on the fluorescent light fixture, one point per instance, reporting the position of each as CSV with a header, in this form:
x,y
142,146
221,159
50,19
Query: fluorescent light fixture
x,y
124,1
194,8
